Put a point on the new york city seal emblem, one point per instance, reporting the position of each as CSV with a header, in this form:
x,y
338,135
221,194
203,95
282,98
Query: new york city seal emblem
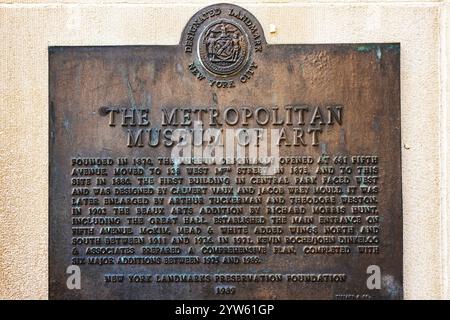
x,y
223,48
222,43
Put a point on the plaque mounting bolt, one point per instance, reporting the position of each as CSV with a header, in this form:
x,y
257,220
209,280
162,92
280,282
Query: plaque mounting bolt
x,y
272,28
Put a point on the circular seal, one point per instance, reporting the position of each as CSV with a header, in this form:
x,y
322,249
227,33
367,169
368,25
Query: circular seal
x,y
223,48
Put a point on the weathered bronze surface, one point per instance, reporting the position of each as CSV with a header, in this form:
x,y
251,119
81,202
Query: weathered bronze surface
x,y
141,224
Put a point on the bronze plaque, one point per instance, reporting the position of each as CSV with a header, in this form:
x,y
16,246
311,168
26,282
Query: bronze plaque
x,y
225,167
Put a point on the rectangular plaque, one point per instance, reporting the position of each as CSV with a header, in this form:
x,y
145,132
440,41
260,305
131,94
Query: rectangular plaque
x,y
225,168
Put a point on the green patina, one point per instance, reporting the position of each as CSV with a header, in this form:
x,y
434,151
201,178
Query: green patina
x,y
370,47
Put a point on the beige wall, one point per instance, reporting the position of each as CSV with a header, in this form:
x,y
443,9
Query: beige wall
x,y
27,28
445,145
